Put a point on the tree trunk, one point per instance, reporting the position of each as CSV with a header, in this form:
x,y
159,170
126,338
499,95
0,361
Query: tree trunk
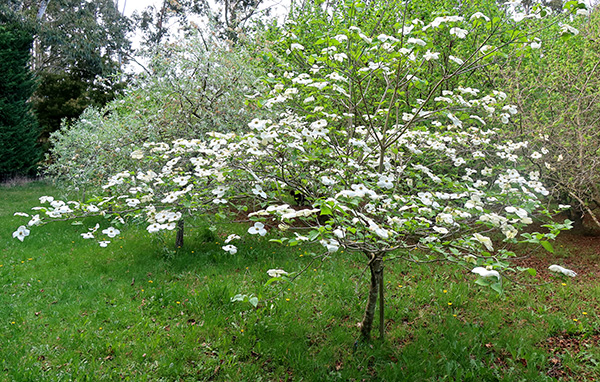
x,y
376,287
179,237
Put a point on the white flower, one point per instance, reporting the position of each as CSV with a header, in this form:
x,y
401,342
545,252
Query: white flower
x,y
154,227
331,245
104,243
582,12
341,38
162,216
479,15
57,203
277,273
460,33
182,180
169,226
170,198
386,181
46,199
257,228
132,202
418,41
232,249
429,55
536,155
137,154
232,237
220,191
567,29
481,271
21,232
87,235
445,218
518,16
340,57
406,29
257,190
35,220
456,59
258,124
111,232
21,214
379,231
338,232
441,230
327,181
564,271
484,240
296,46
173,216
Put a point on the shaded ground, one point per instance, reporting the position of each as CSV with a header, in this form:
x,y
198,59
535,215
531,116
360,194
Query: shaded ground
x,y
576,249
579,250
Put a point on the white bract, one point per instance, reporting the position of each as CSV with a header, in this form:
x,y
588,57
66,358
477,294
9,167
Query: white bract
x,y
277,273
558,269
483,272
111,232
257,228
21,233
232,249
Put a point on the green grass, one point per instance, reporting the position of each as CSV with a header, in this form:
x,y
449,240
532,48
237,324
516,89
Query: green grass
x,y
70,310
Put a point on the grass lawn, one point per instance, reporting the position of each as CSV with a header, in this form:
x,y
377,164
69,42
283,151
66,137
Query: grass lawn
x,y
70,310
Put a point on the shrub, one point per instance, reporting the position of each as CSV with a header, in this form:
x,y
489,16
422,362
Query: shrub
x,y
192,89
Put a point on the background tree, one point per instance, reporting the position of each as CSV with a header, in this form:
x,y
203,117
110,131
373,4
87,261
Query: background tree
x,y
19,152
79,48
227,19
558,94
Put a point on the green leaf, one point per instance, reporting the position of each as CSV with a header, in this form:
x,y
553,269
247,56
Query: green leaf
x,y
547,246
272,280
313,235
497,287
532,271
325,210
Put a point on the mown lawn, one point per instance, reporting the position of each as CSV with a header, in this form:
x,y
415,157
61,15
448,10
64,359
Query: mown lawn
x,y
70,310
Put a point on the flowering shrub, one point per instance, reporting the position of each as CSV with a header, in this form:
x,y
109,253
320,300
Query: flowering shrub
x,y
191,89
391,161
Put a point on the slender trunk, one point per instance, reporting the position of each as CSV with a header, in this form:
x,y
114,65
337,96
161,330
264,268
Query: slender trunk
x,y
376,287
381,305
179,237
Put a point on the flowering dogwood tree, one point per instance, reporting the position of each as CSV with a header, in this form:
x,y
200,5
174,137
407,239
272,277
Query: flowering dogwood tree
x,y
392,162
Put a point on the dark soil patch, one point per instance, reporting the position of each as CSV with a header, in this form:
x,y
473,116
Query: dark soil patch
x,y
575,344
575,249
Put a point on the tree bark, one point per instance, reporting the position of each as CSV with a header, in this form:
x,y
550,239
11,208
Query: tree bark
x,y
376,287
179,237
